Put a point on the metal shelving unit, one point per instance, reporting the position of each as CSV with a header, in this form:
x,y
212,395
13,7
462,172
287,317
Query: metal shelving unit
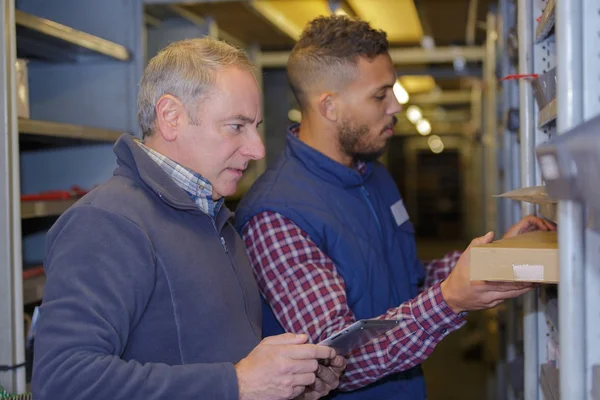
x,y
533,58
12,347
47,208
578,46
33,288
509,381
547,114
29,127
561,327
40,37
546,23
490,139
85,61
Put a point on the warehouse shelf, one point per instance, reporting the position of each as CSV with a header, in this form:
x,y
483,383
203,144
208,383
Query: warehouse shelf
x,y
41,38
69,131
546,23
34,281
547,114
84,60
46,208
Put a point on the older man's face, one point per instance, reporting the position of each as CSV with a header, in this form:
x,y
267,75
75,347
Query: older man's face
x,y
226,138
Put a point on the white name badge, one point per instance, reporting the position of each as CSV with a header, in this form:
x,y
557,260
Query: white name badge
x,y
399,212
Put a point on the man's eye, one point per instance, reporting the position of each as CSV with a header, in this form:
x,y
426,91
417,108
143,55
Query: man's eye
x,y
236,127
380,98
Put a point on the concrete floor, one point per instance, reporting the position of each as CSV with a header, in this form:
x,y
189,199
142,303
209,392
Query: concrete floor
x,y
449,376
450,372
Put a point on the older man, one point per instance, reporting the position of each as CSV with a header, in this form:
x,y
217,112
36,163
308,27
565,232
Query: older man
x,y
326,229
149,293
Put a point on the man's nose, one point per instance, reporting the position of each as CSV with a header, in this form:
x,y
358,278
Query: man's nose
x,y
395,108
254,147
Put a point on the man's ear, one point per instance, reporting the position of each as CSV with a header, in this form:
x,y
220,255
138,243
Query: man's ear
x,y
171,117
328,107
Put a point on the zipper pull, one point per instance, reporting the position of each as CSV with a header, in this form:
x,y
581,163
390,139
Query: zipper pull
x,y
224,244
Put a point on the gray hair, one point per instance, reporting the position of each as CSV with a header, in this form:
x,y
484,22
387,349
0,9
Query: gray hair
x,y
185,69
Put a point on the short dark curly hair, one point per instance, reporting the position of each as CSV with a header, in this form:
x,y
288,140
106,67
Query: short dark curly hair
x,y
327,46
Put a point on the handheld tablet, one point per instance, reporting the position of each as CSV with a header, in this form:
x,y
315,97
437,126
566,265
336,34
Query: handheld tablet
x,y
359,333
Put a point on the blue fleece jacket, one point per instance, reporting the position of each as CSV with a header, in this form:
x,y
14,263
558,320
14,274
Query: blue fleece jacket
x,y
146,296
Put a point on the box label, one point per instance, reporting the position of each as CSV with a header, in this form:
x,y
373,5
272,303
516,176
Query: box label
x,y
526,272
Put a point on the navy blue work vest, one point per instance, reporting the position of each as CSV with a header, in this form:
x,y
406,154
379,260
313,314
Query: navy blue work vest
x,y
360,223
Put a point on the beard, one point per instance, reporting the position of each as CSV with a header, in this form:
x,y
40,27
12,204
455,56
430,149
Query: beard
x,y
354,140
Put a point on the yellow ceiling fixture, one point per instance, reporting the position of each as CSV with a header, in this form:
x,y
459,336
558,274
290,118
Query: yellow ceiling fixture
x,y
341,12
290,16
399,18
276,17
417,83
400,93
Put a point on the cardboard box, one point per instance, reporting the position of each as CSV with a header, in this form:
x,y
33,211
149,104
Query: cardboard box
x,y
531,257
547,207
22,88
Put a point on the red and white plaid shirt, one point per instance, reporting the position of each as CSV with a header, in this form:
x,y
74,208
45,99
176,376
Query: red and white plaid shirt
x,y
308,295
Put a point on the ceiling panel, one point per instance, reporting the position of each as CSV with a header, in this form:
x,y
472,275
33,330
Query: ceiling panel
x,y
240,20
448,20
398,18
299,12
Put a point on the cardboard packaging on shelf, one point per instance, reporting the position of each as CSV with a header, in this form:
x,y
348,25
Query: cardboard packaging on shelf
x,y
531,257
22,88
547,207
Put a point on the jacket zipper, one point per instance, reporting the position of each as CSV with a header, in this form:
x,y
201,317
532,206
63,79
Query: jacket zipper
x,y
221,238
232,265
367,196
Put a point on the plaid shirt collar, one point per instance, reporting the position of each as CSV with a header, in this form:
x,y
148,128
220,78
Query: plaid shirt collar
x,y
358,165
199,189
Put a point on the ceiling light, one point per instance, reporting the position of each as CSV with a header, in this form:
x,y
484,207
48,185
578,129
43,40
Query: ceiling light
x,y
435,144
424,127
459,63
427,42
295,115
414,114
400,93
